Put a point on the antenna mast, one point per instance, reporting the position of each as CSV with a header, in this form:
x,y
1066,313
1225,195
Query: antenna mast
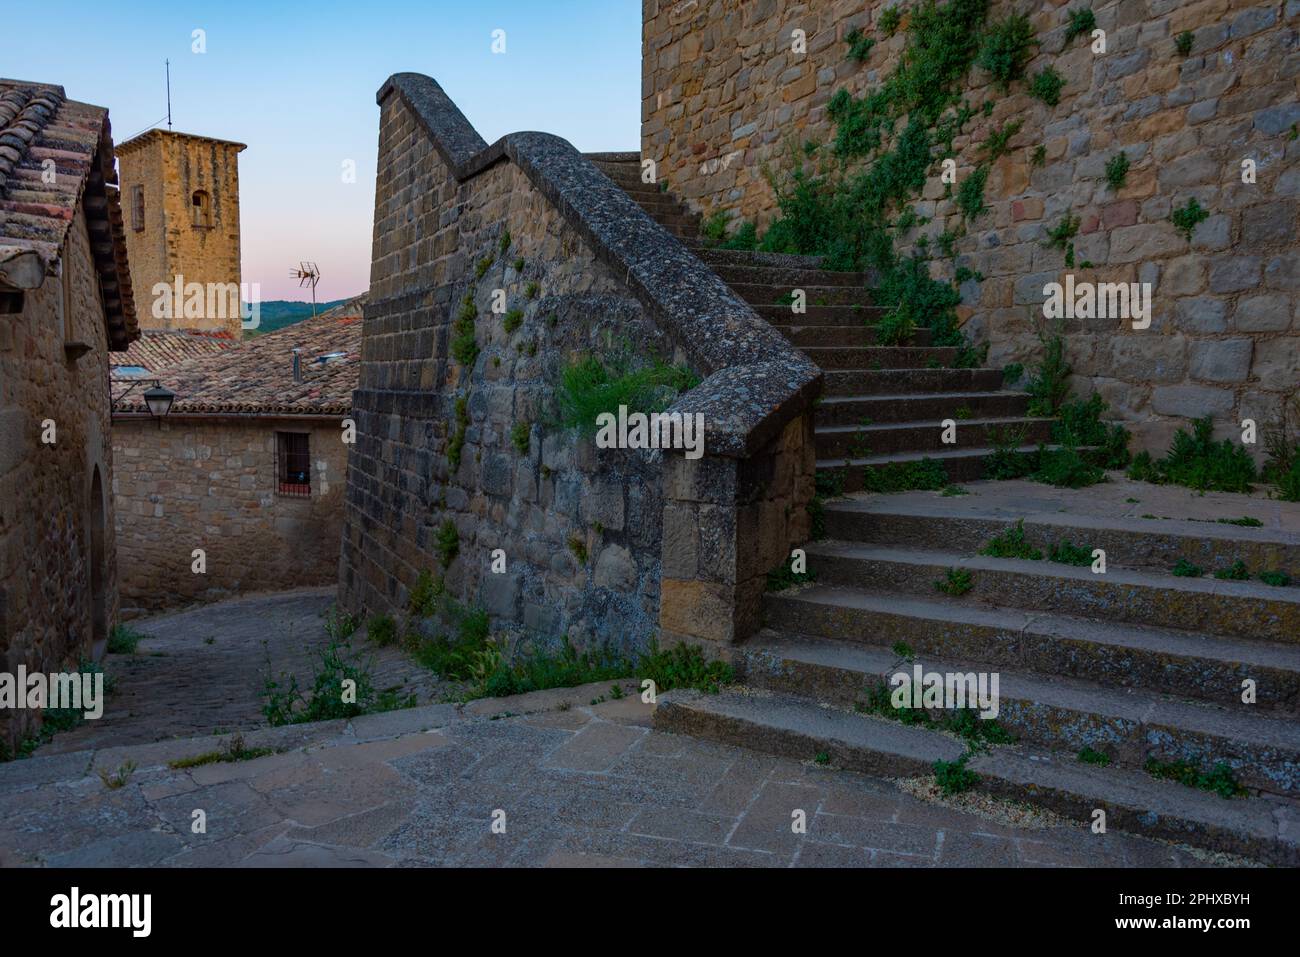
x,y
169,93
307,275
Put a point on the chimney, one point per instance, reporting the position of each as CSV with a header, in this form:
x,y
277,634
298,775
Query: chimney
x,y
297,365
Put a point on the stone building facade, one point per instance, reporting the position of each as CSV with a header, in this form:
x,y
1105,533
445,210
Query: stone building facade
x,y
65,303
605,545
248,467
725,94
180,194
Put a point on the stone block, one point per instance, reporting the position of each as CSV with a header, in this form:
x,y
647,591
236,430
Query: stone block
x,y
1150,241
1221,360
1234,273
1190,401
1201,314
1277,365
1267,313
615,569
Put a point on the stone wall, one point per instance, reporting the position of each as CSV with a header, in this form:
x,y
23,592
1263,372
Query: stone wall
x,y
170,167
56,605
210,482
724,95
580,527
588,534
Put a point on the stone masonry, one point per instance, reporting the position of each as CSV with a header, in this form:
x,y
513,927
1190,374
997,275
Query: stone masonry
x,y
210,482
181,202
595,539
724,95
64,304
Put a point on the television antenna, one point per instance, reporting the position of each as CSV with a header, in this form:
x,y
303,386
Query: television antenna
x,y
307,275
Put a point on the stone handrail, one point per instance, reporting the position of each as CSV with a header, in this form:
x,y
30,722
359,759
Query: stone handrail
x,y
756,382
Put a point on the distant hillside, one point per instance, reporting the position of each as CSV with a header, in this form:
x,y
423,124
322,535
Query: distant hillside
x,y
278,313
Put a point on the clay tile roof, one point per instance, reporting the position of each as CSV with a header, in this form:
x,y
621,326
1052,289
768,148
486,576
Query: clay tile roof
x,y
39,125
157,351
256,376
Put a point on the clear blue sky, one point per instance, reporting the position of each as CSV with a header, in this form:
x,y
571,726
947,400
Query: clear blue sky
x,y
297,81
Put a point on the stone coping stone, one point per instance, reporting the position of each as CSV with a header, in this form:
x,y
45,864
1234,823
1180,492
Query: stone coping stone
x,y
755,383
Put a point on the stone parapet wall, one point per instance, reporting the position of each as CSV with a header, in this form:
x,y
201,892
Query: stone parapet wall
x,y
210,483
588,273
724,96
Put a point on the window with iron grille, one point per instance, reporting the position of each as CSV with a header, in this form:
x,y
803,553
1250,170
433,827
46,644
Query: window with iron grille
x,y
137,208
293,464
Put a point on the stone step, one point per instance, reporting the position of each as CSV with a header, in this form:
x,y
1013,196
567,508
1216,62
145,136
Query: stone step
x,y
789,278
1130,725
1134,801
844,316
960,465
715,256
1189,664
881,357
858,382
1248,610
931,522
627,175
676,221
656,204
775,294
856,335
859,441
913,407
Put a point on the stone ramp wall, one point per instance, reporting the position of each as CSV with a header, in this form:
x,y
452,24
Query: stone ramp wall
x,y
724,93
593,539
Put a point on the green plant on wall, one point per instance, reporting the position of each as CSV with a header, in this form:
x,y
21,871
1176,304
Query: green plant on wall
x,y
1007,49
1188,217
996,145
1047,85
1117,170
1082,22
859,45
590,387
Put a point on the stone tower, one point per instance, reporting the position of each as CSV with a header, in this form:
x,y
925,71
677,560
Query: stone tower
x,y
180,200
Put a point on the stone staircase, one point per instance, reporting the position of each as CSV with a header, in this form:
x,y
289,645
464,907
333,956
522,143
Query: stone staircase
x,y
1135,665
881,404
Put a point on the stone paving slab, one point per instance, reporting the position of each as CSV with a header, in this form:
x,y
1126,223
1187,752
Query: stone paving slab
x,y
589,786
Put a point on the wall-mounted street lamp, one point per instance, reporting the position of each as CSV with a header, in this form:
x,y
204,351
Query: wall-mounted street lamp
x,y
158,398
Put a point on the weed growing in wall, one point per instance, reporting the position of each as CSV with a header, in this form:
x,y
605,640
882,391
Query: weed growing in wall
x,y
1186,218
447,544
464,345
859,45
589,387
1047,85
1007,49
1082,22
1117,170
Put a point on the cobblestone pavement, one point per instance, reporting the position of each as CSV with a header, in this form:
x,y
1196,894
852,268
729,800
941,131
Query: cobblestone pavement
x,y
581,780
201,671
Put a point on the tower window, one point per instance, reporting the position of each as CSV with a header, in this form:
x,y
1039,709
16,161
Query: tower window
x,y
201,206
137,208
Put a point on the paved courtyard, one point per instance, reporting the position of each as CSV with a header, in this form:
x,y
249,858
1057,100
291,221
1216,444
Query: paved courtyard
x,y
201,670
570,777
